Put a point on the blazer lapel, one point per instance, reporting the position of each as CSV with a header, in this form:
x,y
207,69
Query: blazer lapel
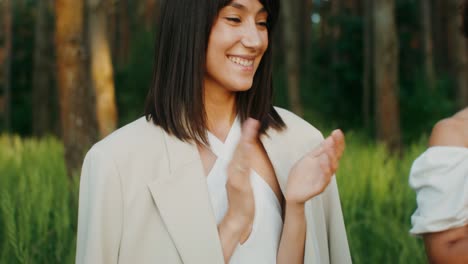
x,y
183,201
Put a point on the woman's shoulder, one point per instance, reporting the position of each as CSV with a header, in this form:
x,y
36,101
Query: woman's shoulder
x,y
450,132
298,129
296,123
132,139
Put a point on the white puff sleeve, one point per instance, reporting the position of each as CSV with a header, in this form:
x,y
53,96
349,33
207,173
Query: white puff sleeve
x,y
440,178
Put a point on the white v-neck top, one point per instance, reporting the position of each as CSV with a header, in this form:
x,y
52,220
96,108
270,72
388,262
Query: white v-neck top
x,y
440,178
262,245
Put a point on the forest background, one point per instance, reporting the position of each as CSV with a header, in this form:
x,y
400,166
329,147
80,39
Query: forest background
x,y
72,71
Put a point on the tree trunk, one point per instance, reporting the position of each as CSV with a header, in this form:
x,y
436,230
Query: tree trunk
x,y
41,100
123,33
441,48
458,52
335,35
367,71
291,41
112,28
149,14
306,34
352,6
6,34
157,13
77,108
426,25
102,74
386,74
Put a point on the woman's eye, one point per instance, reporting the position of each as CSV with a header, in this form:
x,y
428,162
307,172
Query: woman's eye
x,y
233,19
262,23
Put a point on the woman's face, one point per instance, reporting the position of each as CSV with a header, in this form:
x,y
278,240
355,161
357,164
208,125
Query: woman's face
x,y
238,40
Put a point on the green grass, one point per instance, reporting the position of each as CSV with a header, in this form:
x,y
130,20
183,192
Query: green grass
x,y
38,204
378,203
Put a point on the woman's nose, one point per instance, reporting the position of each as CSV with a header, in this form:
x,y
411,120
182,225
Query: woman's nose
x,y
252,36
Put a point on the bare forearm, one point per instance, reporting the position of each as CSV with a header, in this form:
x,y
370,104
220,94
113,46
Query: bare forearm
x,y
291,248
230,234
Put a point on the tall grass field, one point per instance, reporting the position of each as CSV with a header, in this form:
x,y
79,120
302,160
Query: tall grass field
x,y
38,203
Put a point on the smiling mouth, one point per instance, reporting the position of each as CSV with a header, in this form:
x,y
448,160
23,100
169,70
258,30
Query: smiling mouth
x,y
241,61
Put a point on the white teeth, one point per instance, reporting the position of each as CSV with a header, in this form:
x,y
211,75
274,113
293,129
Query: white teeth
x,y
241,61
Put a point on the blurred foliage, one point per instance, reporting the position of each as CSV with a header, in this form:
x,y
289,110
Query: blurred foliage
x,y
22,67
133,79
331,89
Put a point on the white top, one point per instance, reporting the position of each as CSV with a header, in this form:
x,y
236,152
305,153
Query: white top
x,y
440,178
262,244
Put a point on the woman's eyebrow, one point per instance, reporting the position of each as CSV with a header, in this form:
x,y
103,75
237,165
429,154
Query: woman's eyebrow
x,y
243,8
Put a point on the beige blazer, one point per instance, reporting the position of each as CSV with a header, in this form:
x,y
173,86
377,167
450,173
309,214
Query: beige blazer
x,y
144,199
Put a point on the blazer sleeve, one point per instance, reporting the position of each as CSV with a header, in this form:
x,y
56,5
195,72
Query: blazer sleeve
x,y
338,241
100,213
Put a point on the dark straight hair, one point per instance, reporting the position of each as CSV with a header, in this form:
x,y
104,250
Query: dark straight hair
x,y
175,99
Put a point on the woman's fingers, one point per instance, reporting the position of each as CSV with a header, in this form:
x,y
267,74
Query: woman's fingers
x,y
325,165
250,131
333,147
324,160
339,140
239,190
336,140
316,169
247,140
330,150
240,161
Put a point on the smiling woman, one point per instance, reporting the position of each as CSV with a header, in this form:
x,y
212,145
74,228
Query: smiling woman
x,y
214,173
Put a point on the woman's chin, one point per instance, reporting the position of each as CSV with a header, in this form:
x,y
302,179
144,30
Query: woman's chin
x,y
241,87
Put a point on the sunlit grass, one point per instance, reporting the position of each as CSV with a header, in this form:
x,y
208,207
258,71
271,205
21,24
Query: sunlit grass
x,y
377,203
38,204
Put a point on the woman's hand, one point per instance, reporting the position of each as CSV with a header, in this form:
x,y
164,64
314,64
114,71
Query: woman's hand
x,y
241,209
312,173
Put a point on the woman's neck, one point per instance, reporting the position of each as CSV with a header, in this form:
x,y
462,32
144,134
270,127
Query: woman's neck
x,y
220,108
